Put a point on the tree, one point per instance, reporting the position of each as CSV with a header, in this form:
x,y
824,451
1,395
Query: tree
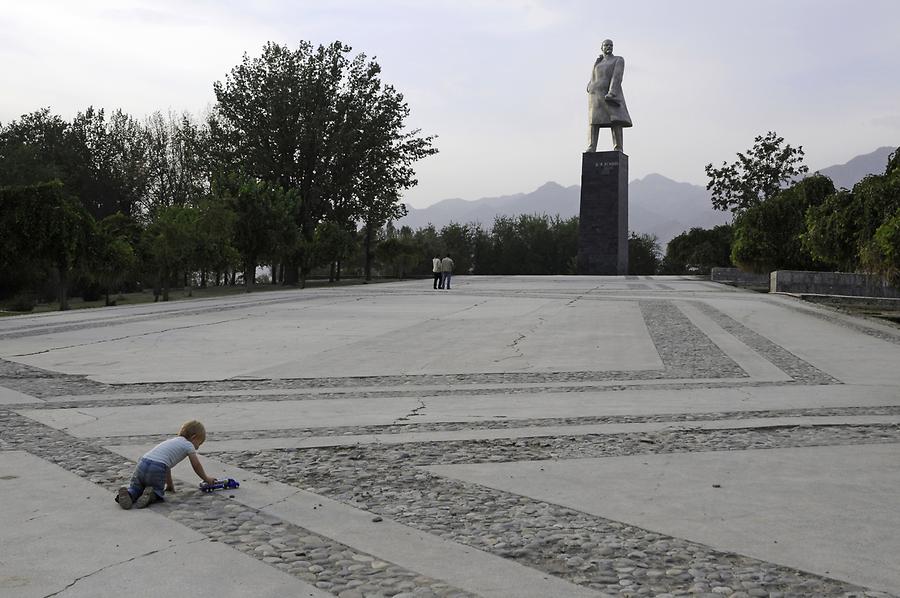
x,y
832,234
399,254
698,251
178,161
109,173
113,257
332,245
35,149
882,254
43,225
841,232
316,122
768,236
170,244
457,240
644,254
757,175
215,233
262,212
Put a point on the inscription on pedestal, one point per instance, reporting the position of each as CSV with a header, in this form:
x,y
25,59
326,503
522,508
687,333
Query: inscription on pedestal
x,y
603,217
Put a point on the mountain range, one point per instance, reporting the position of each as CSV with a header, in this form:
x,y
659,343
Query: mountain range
x,y
657,205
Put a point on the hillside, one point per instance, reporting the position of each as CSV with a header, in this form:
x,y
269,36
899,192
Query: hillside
x,y
657,204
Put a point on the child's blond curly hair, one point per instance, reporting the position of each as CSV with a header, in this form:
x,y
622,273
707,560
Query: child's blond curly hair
x,y
191,429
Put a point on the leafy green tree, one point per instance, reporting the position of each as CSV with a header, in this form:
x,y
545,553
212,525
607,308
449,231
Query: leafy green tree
x,y
698,251
644,254
757,175
768,236
262,214
215,250
525,244
832,233
100,161
882,254
35,149
109,173
430,245
399,254
457,241
333,244
170,244
113,258
841,231
41,224
178,161
320,123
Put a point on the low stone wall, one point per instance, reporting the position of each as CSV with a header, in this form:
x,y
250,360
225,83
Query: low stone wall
x,y
739,278
830,283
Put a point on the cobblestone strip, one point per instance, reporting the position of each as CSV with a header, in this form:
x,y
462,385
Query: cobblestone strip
x,y
323,562
406,428
682,346
786,361
585,549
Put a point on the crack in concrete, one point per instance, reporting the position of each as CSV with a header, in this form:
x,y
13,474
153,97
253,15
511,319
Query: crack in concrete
x,y
415,412
120,338
514,345
126,561
280,500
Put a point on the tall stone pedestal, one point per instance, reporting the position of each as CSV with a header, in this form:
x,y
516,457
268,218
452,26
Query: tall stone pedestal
x,y
603,218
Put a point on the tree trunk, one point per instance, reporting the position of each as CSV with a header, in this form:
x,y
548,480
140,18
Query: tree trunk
x,y
250,274
290,273
203,278
63,289
233,277
331,272
368,251
274,273
165,285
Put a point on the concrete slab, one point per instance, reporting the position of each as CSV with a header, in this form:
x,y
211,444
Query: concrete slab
x,y
325,338
8,396
63,536
781,505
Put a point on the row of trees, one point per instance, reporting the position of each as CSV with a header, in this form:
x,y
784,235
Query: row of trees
x,y
783,221
521,245
303,148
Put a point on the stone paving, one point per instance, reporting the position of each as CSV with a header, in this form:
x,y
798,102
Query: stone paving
x,y
517,436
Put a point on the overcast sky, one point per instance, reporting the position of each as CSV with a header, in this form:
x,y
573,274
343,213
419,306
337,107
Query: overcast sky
x,y
500,82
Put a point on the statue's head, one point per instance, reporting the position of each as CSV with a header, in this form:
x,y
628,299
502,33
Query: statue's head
x,y
606,47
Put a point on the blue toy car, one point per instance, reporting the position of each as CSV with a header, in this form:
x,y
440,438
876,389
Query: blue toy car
x,y
228,484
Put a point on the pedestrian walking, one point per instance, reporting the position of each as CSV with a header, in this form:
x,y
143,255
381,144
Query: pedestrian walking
x,y
436,270
446,271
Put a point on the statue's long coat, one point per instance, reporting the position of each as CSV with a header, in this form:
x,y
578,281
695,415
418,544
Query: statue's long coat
x,y
606,78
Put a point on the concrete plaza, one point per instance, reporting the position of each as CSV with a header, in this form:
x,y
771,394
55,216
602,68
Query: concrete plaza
x,y
513,437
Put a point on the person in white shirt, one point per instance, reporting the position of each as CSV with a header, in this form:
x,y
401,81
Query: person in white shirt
x,y
436,270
